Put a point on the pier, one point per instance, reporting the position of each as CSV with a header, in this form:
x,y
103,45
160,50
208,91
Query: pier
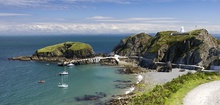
x,y
95,60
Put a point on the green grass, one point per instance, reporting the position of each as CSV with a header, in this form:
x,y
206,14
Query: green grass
x,y
195,32
167,40
172,93
177,98
73,46
80,46
59,49
50,48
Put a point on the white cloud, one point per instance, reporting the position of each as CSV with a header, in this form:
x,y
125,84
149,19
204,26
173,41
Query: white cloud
x,y
134,20
12,14
96,28
100,18
56,4
148,19
23,2
109,1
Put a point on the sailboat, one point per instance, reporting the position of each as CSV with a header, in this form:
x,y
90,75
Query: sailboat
x,y
64,72
70,65
62,85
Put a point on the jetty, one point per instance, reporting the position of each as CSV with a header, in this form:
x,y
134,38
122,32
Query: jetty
x,y
116,59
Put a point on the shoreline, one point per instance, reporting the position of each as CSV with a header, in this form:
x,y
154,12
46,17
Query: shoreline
x,y
143,76
150,79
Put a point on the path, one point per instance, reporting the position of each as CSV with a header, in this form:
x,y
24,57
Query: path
x,y
205,94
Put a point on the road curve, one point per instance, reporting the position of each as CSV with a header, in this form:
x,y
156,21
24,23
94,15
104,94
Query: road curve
x,y
205,94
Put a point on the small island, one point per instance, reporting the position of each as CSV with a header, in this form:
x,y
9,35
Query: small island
x,y
61,51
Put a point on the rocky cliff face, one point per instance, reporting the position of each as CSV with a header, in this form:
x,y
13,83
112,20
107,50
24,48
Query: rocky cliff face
x,y
67,50
132,45
196,47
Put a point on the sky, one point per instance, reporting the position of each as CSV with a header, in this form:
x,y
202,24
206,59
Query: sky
x,y
59,17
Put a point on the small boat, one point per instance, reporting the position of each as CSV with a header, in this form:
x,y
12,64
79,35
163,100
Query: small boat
x,y
71,64
64,73
41,81
62,85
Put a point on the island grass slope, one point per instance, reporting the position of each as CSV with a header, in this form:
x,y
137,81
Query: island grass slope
x,y
66,49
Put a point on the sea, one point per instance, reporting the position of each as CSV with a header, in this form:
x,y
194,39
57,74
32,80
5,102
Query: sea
x,y
19,79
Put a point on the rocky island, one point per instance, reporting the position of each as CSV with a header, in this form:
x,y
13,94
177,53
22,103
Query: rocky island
x,y
61,51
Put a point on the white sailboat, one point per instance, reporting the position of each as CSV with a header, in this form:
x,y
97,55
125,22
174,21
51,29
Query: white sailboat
x,y
62,85
64,72
70,65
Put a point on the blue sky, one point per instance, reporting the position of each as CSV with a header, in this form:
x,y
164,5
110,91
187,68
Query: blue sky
x,y
106,16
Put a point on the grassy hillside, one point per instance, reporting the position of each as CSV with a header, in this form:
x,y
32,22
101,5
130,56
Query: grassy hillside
x,y
67,49
172,93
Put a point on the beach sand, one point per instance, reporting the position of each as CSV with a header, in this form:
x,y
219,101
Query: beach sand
x,y
155,78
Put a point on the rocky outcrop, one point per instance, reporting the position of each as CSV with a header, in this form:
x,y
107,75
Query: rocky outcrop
x,y
195,47
60,52
67,50
132,45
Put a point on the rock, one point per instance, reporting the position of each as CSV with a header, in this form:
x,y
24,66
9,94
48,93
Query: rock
x,y
195,47
132,45
109,61
21,58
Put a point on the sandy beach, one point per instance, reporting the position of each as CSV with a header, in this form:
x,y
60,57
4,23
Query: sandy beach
x,y
155,78
205,94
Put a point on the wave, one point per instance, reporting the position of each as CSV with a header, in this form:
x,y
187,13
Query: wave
x,y
129,90
139,78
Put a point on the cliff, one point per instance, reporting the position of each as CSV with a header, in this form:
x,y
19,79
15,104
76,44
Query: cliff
x,y
67,50
196,47
132,45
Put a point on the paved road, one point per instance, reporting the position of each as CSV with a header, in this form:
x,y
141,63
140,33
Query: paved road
x,y
205,94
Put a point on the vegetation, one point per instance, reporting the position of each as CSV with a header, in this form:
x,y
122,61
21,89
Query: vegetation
x,y
195,32
165,38
170,38
66,49
50,48
65,46
80,46
172,93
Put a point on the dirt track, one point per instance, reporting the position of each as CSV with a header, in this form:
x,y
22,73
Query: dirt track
x,y
205,94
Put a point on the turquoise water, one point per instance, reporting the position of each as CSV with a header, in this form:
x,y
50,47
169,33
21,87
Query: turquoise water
x,y
18,79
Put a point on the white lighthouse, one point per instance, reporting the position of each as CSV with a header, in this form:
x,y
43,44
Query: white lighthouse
x,y
182,30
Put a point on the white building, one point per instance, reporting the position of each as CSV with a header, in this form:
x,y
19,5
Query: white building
x,y
182,30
